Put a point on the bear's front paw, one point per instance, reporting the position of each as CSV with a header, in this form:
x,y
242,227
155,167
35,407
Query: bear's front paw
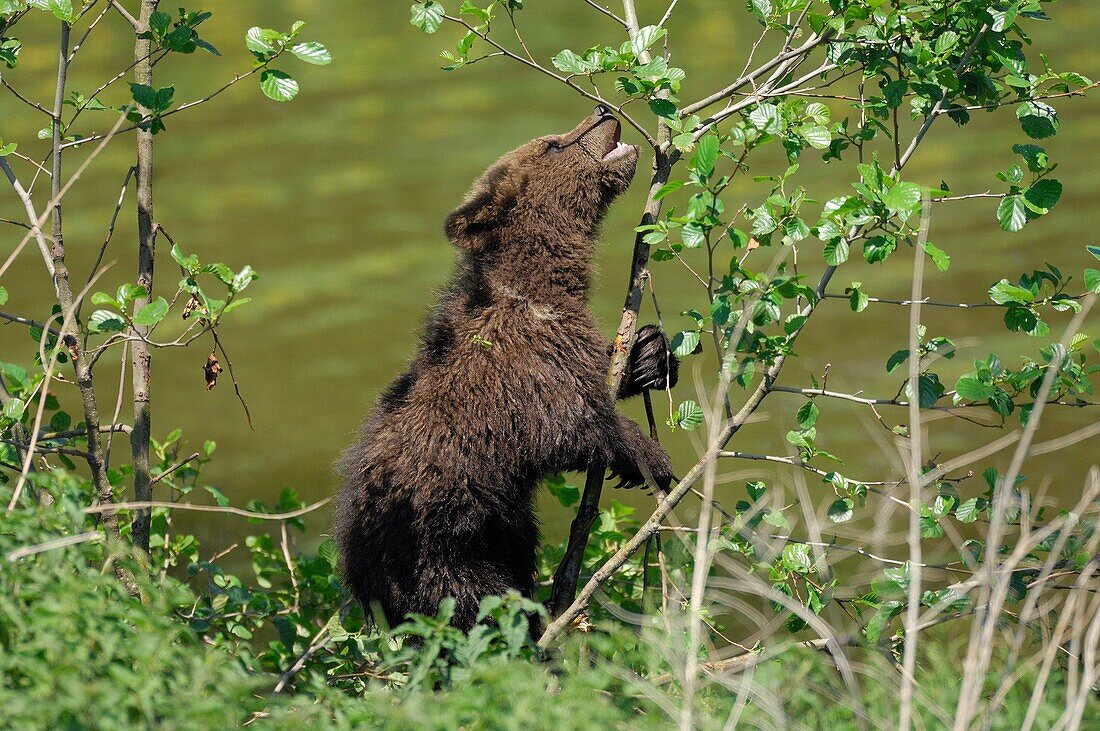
x,y
652,365
657,462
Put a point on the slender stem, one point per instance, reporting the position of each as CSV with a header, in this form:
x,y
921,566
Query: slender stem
x,y
25,100
32,215
141,358
668,13
940,104
567,80
606,11
912,615
27,321
568,571
63,289
812,42
138,25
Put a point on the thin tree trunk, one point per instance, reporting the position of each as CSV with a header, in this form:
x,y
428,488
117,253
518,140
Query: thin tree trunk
x,y
141,357
70,332
568,573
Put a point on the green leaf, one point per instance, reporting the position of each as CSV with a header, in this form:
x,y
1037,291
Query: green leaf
x,y
1094,250
163,98
263,41
968,511
144,95
278,85
903,198
571,63
8,149
102,321
817,135
1021,319
645,38
929,388
706,154
243,278
152,313
841,510
426,16
63,10
807,414
327,550
159,23
190,262
897,359
1092,280
766,118
798,558
312,52
567,495
3,296
1005,292
776,518
836,251
972,389
1012,213
667,188
857,298
690,415
764,8
14,409
128,292
945,42
818,112
1035,157
880,621
1038,120
938,256
1044,195
685,342
663,108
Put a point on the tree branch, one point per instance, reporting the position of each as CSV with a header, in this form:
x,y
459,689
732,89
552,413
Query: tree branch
x,y
606,11
32,215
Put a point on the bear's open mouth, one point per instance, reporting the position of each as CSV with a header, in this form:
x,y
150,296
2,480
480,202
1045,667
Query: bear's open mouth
x,y
616,148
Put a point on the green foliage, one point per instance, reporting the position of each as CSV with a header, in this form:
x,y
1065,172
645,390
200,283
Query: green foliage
x,y
267,45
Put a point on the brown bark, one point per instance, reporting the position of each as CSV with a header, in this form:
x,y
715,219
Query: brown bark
x,y
140,355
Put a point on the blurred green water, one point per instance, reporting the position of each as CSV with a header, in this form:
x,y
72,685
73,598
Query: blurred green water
x,y
338,199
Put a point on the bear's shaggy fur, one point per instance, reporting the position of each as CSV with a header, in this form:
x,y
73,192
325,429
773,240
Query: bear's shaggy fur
x,y
508,387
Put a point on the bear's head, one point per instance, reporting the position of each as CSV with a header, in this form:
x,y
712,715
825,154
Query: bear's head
x,y
554,186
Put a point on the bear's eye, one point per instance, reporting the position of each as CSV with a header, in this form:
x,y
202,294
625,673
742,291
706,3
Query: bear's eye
x,y
554,148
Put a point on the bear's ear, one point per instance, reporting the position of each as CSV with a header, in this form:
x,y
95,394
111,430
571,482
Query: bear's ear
x,y
472,226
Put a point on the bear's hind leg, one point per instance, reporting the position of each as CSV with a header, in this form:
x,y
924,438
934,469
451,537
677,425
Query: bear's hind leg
x,y
466,583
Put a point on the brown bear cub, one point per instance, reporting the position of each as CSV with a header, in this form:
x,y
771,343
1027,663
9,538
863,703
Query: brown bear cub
x,y
509,386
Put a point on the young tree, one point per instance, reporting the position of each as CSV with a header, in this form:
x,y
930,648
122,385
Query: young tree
x,y
131,321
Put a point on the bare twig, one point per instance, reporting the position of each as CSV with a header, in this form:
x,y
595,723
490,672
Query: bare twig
x,y
115,507
174,467
55,543
32,216
232,377
606,11
137,25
